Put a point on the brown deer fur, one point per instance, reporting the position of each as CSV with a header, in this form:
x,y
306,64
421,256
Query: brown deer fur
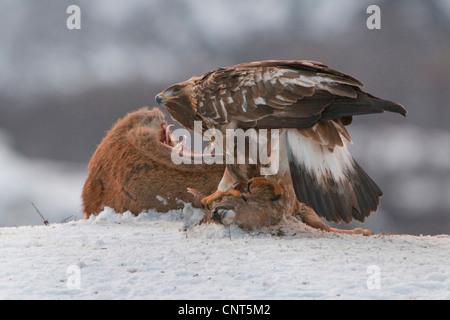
x,y
132,169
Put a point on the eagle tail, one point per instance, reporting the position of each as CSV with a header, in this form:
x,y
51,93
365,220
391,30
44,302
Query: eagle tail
x,y
329,180
363,104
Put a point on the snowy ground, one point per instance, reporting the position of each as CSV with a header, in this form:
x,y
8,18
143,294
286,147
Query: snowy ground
x,y
151,257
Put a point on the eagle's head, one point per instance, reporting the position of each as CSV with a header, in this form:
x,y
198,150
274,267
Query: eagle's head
x,y
180,103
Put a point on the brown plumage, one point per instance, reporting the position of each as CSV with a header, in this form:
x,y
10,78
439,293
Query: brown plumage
x,y
132,169
310,104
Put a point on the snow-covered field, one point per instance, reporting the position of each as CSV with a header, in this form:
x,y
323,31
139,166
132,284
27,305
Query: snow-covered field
x,y
152,257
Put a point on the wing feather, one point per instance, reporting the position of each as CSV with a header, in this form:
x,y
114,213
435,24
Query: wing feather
x,y
288,89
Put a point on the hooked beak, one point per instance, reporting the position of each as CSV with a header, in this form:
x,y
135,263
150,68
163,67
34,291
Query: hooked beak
x,y
159,99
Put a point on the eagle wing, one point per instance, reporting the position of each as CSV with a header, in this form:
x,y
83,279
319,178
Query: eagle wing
x,y
282,94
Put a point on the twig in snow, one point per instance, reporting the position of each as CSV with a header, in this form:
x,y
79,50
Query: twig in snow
x,y
45,220
65,220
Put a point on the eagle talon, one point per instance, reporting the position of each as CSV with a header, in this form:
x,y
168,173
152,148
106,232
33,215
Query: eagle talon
x,y
207,201
256,182
247,188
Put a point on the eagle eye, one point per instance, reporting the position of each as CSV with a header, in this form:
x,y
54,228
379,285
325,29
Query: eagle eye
x,y
176,90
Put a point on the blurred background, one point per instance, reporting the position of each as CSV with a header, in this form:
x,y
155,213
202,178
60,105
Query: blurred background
x,y
61,89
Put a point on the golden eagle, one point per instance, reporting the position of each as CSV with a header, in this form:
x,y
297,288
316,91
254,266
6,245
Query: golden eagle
x,y
310,104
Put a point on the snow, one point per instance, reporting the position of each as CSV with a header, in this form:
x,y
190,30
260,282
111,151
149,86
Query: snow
x,y
152,256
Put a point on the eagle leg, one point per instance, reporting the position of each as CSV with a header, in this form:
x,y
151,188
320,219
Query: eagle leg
x,y
258,181
207,201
